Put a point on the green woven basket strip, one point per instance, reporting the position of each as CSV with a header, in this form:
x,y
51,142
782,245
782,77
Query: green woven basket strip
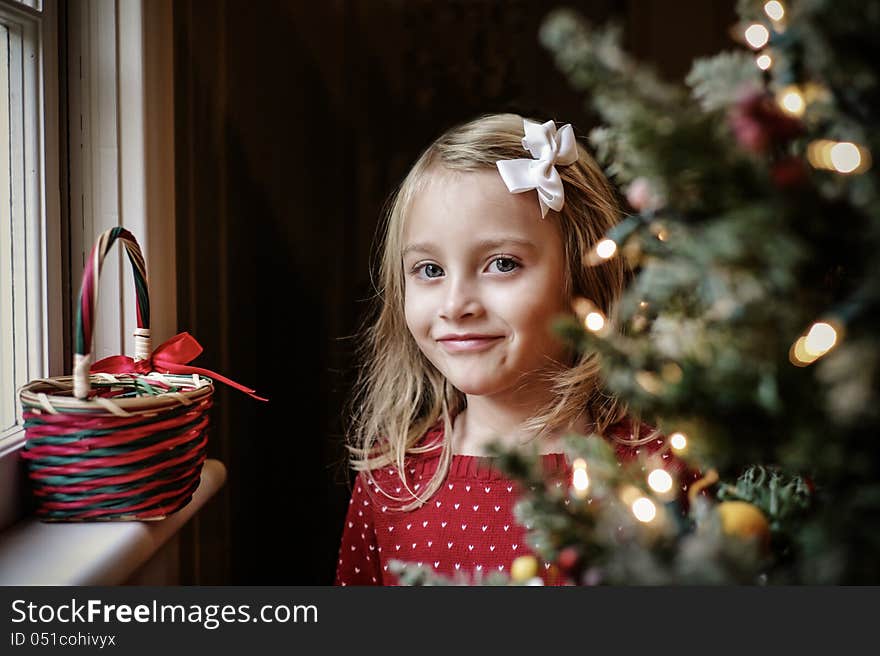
x,y
128,447
39,421
178,503
126,501
116,489
100,472
104,452
66,479
55,461
169,473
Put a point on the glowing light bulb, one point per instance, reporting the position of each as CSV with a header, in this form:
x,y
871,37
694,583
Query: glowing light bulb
x,y
606,248
819,153
820,339
649,381
757,35
774,10
798,354
678,441
644,509
840,156
643,304
580,481
660,480
594,321
792,101
845,157
671,373
764,62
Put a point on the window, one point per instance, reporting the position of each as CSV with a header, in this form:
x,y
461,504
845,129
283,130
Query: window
x,y
29,340
31,334
9,362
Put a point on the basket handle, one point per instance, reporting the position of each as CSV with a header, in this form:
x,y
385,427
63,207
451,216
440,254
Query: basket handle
x,y
88,301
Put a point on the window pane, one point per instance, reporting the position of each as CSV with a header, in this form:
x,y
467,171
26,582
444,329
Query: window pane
x,y
7,345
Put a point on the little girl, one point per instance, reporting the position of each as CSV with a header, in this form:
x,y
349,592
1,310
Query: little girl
x,y
484,247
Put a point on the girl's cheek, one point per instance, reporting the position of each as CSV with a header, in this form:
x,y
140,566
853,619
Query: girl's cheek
x,y
416,314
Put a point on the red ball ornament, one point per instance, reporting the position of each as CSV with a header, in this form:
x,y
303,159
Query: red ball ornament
x,y
759,123
570,561
789,172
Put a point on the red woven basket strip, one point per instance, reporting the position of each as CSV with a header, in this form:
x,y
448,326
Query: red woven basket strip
x,y
85,445
152,512
67,424
124,437
86,292
72,510
102,462
91,276
128,492
86,422
125,458
49,490
118,479
87,503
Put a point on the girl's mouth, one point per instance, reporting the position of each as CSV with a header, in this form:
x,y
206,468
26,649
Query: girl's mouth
x,y
469,344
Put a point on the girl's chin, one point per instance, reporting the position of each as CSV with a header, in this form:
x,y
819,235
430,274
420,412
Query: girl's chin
x,y
476,388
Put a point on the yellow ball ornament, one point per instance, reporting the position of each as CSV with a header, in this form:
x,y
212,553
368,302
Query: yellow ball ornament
x,y
743,520
524,568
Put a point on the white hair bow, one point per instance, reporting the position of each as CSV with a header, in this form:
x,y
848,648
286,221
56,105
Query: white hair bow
x,y
548,147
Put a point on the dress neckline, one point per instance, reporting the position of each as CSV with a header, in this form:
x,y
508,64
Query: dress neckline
x,y
483,468
469,466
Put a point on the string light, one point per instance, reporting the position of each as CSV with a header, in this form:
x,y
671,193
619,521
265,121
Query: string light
x,y
588,314
792,101
757,35
671,373
678,441
594,321
820,339
774,10
845,157
764,62
649,382
840,156
659,231
798,354
606,249
580,481
660,481
644,509
808,348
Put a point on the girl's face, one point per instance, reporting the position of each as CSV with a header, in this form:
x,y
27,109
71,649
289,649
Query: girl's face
x,y
484,280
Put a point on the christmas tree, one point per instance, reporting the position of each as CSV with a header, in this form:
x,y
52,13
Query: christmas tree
x,y
748,332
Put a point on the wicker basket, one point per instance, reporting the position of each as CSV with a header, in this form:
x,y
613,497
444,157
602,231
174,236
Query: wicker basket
x,y
124,439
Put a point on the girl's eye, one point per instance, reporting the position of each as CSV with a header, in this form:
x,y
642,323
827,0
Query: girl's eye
x,y
431,270
505,264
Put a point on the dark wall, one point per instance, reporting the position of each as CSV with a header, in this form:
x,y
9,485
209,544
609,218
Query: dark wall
x,y
294,122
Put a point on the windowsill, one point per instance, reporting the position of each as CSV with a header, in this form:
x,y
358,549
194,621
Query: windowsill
x,y
93,553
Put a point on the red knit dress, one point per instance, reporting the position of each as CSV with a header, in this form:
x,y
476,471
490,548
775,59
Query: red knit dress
x,y
466,528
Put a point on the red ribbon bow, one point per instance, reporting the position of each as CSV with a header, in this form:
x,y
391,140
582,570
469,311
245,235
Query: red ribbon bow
x,y
170,357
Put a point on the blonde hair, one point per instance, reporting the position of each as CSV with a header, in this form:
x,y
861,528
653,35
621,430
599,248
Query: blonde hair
x,y
399,394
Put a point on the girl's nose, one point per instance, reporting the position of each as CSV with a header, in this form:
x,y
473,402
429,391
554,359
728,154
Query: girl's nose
x,y
461,300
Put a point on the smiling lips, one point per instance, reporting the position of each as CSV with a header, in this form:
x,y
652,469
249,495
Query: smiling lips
x,y
467,343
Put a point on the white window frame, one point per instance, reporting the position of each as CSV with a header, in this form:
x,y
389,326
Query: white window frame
x,y
37,320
